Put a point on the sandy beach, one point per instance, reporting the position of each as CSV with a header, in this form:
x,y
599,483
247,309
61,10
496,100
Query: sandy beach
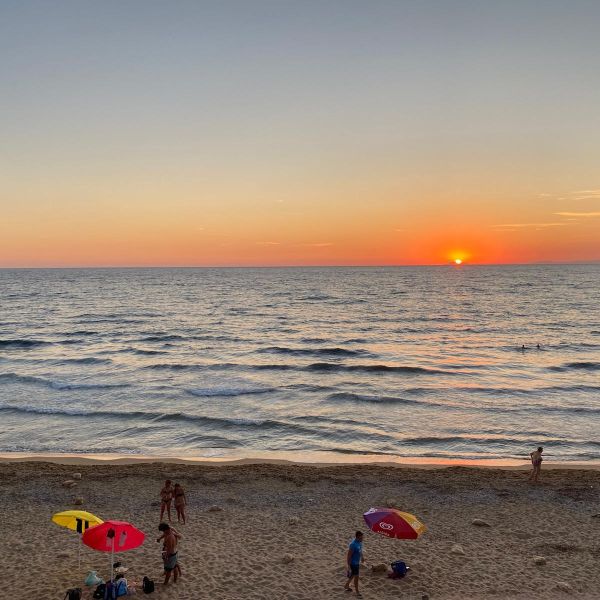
x,y
268,511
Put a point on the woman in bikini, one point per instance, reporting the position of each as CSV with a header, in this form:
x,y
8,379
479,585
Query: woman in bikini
x,y
166,494
180,502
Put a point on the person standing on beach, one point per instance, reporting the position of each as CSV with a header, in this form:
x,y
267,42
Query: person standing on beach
x,y
354,558
166,494
180,502
170,538
536,461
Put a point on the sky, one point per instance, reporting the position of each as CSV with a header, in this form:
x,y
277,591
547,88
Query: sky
x,y
138,133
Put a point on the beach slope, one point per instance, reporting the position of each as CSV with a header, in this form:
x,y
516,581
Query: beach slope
x,y
269,511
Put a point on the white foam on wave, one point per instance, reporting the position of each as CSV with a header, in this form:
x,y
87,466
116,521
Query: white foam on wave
x,y
249,421
59,384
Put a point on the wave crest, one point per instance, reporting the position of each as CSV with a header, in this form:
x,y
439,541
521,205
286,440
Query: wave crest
x,y
228,391
23,343
335,351
59,385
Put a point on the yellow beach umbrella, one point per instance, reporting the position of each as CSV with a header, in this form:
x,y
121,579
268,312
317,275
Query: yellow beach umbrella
x,y
79,521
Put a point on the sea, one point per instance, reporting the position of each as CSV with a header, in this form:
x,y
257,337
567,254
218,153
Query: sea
x,y
406,363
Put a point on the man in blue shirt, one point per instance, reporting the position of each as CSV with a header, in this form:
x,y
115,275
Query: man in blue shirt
x,y
353,559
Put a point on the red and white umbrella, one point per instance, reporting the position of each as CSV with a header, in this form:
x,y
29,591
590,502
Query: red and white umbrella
x,y
113,536
394,523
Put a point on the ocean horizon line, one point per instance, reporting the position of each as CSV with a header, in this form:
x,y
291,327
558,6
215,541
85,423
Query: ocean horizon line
x,y
592,262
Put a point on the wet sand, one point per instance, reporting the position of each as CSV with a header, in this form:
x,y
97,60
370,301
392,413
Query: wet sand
x,y
269,511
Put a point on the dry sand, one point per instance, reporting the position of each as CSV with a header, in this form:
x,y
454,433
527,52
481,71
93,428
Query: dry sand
x,y
237,553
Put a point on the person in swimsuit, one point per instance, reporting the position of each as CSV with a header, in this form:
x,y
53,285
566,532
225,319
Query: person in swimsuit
x,y
180,502
536,461
169,538
166,494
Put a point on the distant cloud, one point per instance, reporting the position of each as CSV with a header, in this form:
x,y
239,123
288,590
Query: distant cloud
x,y
515,226
268,243
578,214
576,195
586,195
317,244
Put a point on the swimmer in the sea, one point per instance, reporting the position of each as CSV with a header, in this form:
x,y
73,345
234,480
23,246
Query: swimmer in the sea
x,y
536,463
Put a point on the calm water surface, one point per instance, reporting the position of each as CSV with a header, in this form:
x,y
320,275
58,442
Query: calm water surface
x,y
393,361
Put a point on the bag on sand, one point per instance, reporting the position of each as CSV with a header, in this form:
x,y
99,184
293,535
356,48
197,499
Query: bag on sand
x,y
93,579
147,585
73,594
99,592
110,591
399,568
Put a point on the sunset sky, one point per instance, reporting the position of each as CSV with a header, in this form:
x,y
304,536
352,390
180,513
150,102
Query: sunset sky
x,y
298,133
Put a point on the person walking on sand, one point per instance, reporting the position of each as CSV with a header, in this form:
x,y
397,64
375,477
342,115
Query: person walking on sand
x,y
180,502
536,461
166,495
354,558
170,538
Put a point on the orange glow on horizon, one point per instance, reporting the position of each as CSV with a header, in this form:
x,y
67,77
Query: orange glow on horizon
x,y
147,231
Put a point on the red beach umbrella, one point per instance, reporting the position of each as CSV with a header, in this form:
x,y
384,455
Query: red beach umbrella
x,y
113,536
394,523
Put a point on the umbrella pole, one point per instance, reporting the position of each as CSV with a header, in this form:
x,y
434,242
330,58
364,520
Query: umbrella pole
x,y
112,558
79,555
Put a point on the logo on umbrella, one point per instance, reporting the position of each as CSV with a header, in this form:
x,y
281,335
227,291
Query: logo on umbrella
x,y
385,525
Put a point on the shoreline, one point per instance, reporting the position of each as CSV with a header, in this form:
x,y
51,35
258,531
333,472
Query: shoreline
x,y
316,459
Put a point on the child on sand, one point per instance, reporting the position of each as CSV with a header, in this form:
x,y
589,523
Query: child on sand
x,y
536,461
166,494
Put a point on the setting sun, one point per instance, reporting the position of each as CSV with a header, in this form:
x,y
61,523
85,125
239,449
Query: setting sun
x,y
458,257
